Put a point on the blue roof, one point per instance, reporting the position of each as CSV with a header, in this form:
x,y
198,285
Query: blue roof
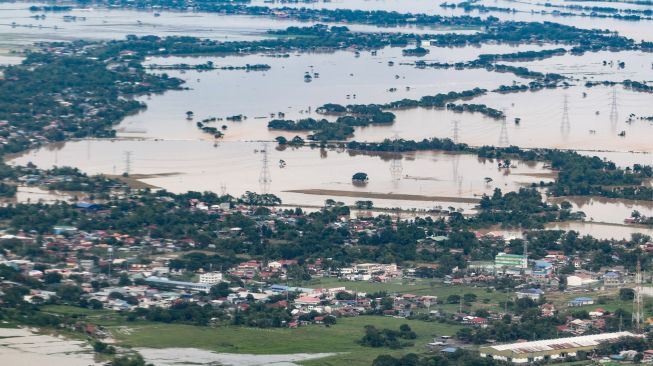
x,y
450,350
544,264
87,205
532,291
583,299
611,274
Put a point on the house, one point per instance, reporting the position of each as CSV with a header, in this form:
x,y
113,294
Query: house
x,y
547,310
532,293
307,301
611,279
581,301
211,278
648,356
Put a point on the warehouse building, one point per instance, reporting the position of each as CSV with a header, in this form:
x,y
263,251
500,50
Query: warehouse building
x,y
549,349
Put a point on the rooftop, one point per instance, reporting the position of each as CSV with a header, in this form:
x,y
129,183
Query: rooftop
x,y
559,343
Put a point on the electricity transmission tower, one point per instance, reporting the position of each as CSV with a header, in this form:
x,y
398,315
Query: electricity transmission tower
x,y
396,165
503,133
565,124
264,178
128,162
456,131
614,110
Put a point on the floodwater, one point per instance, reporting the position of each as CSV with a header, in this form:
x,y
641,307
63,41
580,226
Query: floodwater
x,y
19,26
30,194
607,210
590,66
589,125
433,178
194,356
343,78
529,12
20,347
596,230
401,6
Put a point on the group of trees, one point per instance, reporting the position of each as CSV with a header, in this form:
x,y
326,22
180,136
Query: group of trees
x,y
387,337
342,127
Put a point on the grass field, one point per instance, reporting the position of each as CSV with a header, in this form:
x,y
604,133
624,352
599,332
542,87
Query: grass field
x,y
485,299
340,338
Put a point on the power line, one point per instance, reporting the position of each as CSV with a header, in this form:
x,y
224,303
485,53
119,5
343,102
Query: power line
x,y
637,300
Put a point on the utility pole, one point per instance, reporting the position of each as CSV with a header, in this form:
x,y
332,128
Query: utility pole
x,y
637,300
525,265
264,178
110,250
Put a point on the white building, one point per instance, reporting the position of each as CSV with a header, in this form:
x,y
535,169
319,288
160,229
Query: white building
x,y
211,278
581,280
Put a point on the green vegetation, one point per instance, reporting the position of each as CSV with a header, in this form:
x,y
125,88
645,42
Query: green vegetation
x,y
341,338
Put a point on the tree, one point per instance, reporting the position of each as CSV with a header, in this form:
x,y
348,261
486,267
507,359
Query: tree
x,y
453,299
124,280
330,320
69,292
626,294
220,290
95,304
52,277
360,177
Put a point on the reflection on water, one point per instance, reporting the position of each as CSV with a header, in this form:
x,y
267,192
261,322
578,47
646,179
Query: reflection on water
x,y
597,230
607,210
442,178
590,126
